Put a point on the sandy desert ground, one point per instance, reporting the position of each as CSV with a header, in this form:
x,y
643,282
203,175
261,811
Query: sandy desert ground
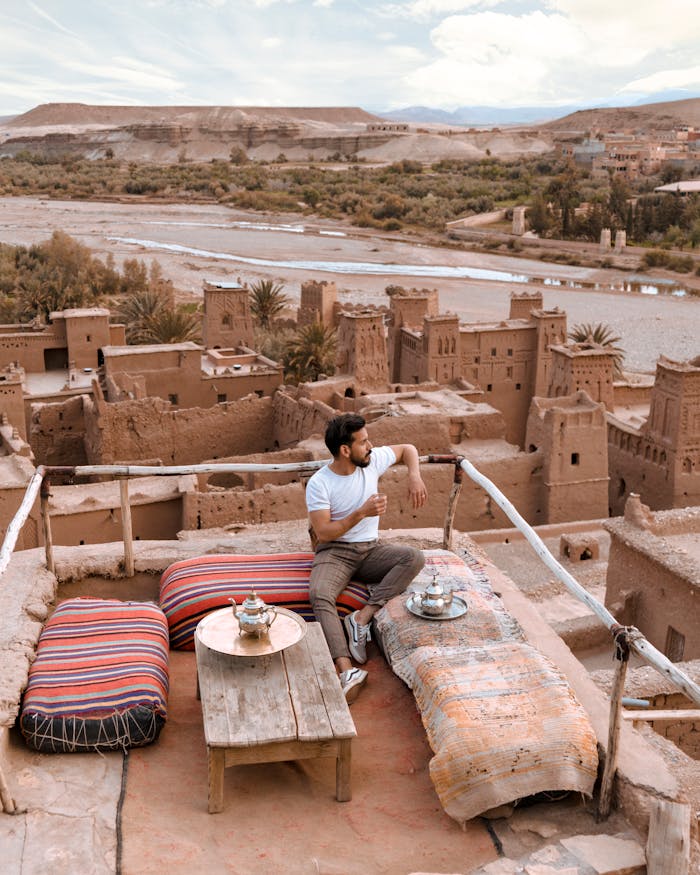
x,y
212,242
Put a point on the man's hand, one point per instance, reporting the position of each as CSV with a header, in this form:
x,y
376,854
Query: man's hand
x,y
417,492
375,505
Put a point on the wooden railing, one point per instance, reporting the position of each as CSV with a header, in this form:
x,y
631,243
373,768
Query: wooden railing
x,y
626,638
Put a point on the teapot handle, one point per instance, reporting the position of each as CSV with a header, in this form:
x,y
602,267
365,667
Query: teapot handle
x,y
274,613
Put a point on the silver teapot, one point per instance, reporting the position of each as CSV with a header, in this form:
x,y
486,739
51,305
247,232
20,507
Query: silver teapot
x,y
434,601
255,617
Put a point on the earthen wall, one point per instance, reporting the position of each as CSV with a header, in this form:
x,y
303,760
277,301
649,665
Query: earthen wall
x,y
631,394
158,520
227,321
85,336
151,428
475,510
294,421
658,583
28,349
502,362
685,734
10,499
57,433
12,401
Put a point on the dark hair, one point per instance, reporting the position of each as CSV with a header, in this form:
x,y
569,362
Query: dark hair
x,y
340,430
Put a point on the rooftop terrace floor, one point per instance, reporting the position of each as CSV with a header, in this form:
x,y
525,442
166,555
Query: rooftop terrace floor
x,y
278,819
148,813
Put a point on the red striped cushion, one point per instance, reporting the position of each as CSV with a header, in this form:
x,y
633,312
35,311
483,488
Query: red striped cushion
x,y
100,678
190,589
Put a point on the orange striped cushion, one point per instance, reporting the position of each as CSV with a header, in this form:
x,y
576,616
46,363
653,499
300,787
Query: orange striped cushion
x,y
100,678
191,588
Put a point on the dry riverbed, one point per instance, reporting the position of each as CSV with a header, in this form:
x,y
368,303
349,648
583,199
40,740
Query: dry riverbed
x,y
198,242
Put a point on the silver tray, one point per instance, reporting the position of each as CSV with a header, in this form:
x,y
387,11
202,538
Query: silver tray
x,y
457,608
219,631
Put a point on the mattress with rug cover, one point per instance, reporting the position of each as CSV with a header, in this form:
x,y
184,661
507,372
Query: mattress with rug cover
x,y
100,678
501,719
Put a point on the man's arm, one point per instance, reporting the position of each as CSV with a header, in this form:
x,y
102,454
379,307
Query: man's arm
x,y
417,492
327,529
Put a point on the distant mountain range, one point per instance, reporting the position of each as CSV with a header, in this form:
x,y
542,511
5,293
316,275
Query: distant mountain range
x,y
478,116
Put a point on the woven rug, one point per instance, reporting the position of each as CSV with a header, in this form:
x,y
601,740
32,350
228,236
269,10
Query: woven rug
x,y
501,719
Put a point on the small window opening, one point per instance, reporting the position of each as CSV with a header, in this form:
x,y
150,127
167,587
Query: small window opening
x,y
675,644
574,459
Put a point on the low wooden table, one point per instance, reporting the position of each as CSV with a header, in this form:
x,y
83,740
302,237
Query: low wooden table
x,y
284,706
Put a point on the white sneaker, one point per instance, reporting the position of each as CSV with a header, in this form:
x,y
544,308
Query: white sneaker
x,y
351,681
358,636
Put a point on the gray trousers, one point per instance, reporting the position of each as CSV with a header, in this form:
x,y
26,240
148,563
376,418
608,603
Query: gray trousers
x,y
386,570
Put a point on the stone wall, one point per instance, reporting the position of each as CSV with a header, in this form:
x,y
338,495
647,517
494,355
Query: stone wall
x,y
151,428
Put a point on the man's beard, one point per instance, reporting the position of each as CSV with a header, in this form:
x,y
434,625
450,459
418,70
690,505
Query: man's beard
x,y
362,462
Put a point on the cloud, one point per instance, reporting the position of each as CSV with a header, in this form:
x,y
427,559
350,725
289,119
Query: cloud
x,y
627,31
571,50
659,81
50,19
374,53
491,57
427,8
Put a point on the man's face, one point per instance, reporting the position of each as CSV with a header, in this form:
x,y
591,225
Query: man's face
x,y
360,448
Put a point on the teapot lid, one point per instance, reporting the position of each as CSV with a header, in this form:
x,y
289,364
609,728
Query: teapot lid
x,y
434,587
253,604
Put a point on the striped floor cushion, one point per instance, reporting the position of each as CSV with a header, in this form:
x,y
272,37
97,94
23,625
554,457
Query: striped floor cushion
x,y
100,678
190,589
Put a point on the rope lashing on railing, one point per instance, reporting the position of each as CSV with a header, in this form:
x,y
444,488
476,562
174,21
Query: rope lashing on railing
x,y
620,635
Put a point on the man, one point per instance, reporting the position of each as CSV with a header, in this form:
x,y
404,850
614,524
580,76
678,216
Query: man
x,y
344,509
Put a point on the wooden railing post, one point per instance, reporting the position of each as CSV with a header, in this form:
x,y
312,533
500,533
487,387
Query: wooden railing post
x,y
45,494
452,505
449,459
127,531
622,655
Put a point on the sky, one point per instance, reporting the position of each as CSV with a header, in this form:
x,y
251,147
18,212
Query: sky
x,y
369,53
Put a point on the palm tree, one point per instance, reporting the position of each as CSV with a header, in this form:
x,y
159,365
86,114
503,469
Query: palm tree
x,y
267,300
149,318
310,352
175,325
591,335
135,311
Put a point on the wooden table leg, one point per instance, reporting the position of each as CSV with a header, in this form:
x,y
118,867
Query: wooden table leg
x,y
215,759
343,789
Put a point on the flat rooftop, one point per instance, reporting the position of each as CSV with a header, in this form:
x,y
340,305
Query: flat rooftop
x,y
53,382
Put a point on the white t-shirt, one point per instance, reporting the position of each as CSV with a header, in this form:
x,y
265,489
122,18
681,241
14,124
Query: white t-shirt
x,y
344,493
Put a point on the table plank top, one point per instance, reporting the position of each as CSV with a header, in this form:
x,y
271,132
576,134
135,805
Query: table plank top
x,y
293,695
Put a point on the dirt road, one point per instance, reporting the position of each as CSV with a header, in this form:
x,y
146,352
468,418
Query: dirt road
x,y
196,242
